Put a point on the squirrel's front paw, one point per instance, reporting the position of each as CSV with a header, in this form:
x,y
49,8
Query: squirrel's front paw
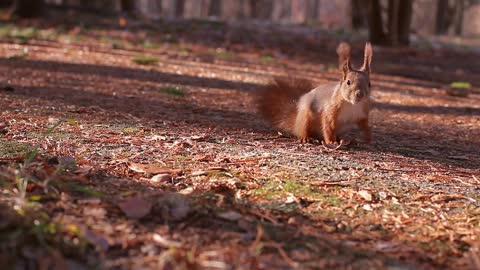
x,y
334,145
304,140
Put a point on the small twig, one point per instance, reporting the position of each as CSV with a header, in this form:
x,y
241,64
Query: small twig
x,y
278,247
249,160
463,182
331,183
282,253
164,242
476,179
273,221
475,259
258,237
217,168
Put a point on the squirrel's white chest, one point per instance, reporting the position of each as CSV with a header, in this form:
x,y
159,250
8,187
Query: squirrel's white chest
x,y
351,113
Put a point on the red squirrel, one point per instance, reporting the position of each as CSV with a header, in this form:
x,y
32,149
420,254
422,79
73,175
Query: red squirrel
x,y
327,111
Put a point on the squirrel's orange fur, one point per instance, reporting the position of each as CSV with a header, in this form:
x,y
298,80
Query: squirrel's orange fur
x,y
326,111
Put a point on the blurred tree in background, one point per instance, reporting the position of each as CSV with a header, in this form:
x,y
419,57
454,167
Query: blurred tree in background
x,y
389,22
397,24
27,8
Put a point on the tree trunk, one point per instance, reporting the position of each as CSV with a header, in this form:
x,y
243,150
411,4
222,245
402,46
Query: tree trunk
x,y
405,21
215,8
179,8
458,17
393,21
442,20
28,8
280,10
357,14
6,4
375,22
168,8
261,9
312,8
244,10
254,6
399,21
127,6
298,11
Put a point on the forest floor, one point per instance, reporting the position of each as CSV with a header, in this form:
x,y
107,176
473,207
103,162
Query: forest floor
x,y
138,147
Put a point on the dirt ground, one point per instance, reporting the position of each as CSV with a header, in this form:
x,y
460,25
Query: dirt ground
x,y
139,147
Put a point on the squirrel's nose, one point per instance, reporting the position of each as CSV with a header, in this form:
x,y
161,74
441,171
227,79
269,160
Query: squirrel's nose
x,y
358,94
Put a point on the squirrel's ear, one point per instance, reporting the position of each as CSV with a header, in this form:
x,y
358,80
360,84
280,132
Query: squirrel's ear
x,y
346,67
367,58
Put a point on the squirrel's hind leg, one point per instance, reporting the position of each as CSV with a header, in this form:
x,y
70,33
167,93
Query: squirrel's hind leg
x,y
367,133
303,124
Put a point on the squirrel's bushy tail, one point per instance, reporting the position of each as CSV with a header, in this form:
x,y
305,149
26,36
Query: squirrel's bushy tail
x,y
277,101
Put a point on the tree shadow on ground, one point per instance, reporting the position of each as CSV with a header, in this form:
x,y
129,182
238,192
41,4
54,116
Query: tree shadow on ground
x,y
126,73
436,110
308,44
81,90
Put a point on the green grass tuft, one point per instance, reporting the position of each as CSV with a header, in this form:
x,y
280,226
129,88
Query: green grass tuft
x,y
24,33
462,85
149,44
104,40
171,90
5,30
117,46
296,187
11,149
145,60
226,55
267,59
85,190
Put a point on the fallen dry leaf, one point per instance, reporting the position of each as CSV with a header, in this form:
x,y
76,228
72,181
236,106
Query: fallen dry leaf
x,y
157,238
366,195
96,239
151,168
164,177
425,143
135,207
230,215
199,173
291,198
174,206
367,207
449,197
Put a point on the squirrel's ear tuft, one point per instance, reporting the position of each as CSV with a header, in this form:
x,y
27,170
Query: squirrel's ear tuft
x,y
367,58
346,67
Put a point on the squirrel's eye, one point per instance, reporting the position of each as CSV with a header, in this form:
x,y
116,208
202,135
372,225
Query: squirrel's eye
x,y
348,82
369,84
